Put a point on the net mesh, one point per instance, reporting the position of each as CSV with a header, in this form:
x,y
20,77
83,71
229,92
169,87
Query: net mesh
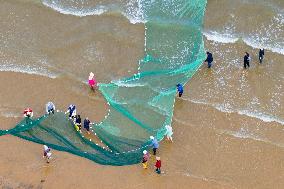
x,y
140,105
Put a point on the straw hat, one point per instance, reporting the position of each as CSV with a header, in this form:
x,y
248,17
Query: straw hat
x,y
158,158
151,137
145,152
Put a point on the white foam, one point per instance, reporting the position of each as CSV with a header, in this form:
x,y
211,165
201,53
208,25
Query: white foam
x,y
122,84
220,37
250,41
229,109
244,134
262,116
77,12
277,48
135,12
26,69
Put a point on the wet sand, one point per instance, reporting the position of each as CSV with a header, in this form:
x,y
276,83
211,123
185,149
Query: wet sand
x,y
21,161
199,151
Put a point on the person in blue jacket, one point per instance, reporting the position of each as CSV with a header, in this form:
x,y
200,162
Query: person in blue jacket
x,y
154,144
50,108
180,89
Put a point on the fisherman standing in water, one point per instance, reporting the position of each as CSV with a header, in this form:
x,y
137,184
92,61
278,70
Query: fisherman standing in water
x,y
209,59
261,55
246,60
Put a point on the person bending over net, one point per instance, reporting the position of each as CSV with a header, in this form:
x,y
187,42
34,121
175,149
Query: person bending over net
x,y
72,111
50,108
180,89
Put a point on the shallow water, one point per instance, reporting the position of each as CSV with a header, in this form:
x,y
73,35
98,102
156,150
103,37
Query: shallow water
x,y
237,115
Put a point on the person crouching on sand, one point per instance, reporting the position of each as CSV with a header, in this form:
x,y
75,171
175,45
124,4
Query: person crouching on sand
x,y
92,81
46,153
145,159
158,165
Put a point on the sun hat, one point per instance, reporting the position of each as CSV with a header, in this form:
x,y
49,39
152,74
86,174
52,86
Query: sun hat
x,y
144,151
91,76
158,158
151,137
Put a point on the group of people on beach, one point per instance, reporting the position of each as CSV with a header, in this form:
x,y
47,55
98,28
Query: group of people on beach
x,y
72,114
77,119
155,145
247,58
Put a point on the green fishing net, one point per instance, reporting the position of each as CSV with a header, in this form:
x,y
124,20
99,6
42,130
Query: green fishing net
x,y
140,105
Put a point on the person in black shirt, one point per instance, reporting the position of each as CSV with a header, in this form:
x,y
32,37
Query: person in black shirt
x,y
261,55
87,125
78,122
246,60
209,59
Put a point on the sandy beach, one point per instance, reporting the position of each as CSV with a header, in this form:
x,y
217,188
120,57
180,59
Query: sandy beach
x,y
228,126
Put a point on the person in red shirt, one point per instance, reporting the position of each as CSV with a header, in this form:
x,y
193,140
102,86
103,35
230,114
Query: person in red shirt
x,y
158,165
28,113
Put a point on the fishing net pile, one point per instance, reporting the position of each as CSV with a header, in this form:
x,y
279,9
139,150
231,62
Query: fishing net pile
x,y
140,105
